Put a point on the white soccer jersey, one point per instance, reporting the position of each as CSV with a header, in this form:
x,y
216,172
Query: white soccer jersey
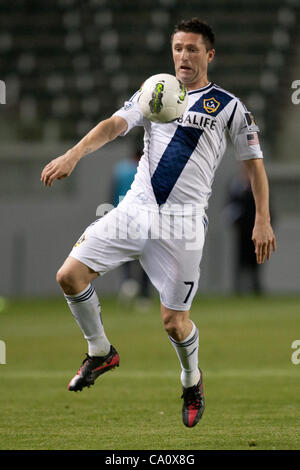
x,y
180,158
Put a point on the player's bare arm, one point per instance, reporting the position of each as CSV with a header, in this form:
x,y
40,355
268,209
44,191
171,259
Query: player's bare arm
x,y
262,235
104,132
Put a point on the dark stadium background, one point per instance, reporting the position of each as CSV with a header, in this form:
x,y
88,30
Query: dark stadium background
x,y
67,64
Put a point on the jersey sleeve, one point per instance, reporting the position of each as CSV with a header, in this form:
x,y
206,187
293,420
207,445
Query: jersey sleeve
x,y
243,132
131,113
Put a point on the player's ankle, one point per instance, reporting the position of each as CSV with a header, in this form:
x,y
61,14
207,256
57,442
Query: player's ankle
x,y
98,347
190,378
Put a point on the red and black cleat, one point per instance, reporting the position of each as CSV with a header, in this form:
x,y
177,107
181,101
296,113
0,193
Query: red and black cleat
x,y
193,404
92,367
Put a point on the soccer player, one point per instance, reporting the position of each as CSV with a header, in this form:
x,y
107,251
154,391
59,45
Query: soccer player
x,y
175,172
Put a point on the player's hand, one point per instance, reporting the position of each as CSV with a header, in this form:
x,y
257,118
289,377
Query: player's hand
x,y
264,241
57,169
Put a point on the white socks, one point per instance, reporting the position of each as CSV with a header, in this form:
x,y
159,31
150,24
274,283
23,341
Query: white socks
x,y
86,310
187,352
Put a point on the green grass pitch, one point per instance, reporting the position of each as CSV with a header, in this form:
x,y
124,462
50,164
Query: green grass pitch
x,y
250,382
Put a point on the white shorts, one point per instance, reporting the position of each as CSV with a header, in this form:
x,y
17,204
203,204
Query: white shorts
x,y
169,248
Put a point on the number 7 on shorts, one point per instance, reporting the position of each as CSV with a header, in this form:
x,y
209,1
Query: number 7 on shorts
x,y
189,292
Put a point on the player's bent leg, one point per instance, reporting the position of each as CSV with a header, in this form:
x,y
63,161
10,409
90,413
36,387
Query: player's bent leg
x,y
103,246
75,279
184,337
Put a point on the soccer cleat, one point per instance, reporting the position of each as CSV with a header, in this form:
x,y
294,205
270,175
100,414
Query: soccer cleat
x,y
193,404
92,367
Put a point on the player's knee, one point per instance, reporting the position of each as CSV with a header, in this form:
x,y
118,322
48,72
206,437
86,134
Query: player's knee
x,y
172,324
66,279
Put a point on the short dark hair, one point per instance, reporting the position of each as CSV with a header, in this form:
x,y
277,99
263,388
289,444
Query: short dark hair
x,y
198,27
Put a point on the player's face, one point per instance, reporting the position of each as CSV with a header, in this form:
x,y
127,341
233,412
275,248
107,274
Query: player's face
x,y
191,59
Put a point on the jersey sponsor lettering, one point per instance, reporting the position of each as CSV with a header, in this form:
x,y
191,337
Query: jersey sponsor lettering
x,y
198,120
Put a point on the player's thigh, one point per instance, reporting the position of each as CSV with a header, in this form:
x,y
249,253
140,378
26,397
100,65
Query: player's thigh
x,y
174,272
173,261
107,243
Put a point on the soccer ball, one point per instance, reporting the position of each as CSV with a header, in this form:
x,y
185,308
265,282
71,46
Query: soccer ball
x,y
163,98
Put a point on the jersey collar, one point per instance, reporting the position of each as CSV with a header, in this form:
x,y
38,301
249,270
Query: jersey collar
x,y
200,90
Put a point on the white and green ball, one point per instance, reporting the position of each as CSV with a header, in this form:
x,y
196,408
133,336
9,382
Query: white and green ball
x,y
163,98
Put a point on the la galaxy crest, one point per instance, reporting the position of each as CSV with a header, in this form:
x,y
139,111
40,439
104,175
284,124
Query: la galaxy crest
x,y
211,105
